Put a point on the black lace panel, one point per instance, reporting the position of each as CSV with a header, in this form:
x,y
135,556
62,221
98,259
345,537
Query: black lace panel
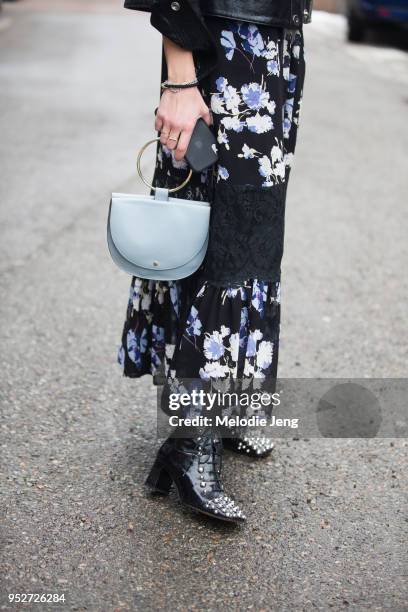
x,y
246,234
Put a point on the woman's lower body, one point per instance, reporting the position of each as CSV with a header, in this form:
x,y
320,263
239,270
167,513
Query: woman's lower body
x,y
222,323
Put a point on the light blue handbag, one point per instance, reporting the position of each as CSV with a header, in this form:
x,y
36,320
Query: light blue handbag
x,y
157,236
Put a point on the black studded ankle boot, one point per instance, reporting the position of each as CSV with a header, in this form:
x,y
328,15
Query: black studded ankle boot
x,y
193,464
247,444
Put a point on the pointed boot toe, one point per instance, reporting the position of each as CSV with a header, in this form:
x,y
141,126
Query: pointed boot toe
x,y
193,465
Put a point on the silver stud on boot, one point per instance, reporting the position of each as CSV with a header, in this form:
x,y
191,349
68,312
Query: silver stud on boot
x,y
258,447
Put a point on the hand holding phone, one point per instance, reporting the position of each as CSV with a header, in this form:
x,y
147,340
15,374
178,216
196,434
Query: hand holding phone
x,y
202,148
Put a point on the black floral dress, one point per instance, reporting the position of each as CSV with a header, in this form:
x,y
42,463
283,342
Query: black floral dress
x,y
222,323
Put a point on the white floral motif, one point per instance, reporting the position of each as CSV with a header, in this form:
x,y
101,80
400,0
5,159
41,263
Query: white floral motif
x,y
141,299
273,168
271,51
238,108
169,351
288,159
247,152
264,354
265,166
271,107
222,173
249,369
233,123
234,346
247,315
217,104
259,123
228,41
232,99
225,331
213,369
222,138
180,164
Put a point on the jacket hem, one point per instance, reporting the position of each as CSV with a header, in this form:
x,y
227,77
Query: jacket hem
x,y
258,20
304,18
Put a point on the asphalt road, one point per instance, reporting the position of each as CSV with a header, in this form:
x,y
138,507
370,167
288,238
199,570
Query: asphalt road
x,y
327,522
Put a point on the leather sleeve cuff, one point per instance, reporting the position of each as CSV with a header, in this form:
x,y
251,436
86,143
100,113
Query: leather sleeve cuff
x,y
186,28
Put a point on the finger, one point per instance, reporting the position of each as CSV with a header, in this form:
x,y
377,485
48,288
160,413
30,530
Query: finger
x,y
164,133
207,117
172,140
158,124
182,144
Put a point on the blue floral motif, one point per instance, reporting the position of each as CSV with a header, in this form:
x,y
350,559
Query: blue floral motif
x,y
292,83
229,331
136,345
222,173
174,297
254,96
253,41
286,127
194,324
214,346
272,67
228,42
220,349
221,84
251,345
249,107
243,327
158,347
158,335
259,293
155,359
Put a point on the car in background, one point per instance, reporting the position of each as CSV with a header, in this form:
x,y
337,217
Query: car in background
x,y
363,14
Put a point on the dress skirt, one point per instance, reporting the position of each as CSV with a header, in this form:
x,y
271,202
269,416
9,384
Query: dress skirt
x,y
222,323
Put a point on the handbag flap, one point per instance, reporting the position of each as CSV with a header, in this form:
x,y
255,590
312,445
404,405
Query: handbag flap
x,y
158,234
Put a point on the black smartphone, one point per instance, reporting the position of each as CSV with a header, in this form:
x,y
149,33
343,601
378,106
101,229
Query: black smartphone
x,y
202,148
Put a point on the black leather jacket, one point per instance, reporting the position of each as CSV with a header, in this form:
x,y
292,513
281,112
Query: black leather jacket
x,y
183,21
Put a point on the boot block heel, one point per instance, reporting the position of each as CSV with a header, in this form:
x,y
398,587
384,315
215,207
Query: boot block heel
x,y
158,480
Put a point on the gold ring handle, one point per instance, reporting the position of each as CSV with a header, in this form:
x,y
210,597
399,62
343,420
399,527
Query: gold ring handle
x,y
139,171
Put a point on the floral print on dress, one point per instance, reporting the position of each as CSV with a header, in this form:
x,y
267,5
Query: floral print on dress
x,y
250,107
241,109
192,329
247,39
222,346
225,351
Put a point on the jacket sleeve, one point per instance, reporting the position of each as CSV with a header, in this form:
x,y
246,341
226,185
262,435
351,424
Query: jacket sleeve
x,y
182,22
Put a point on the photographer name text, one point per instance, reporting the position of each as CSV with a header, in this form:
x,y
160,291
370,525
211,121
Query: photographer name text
x,y
234,421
